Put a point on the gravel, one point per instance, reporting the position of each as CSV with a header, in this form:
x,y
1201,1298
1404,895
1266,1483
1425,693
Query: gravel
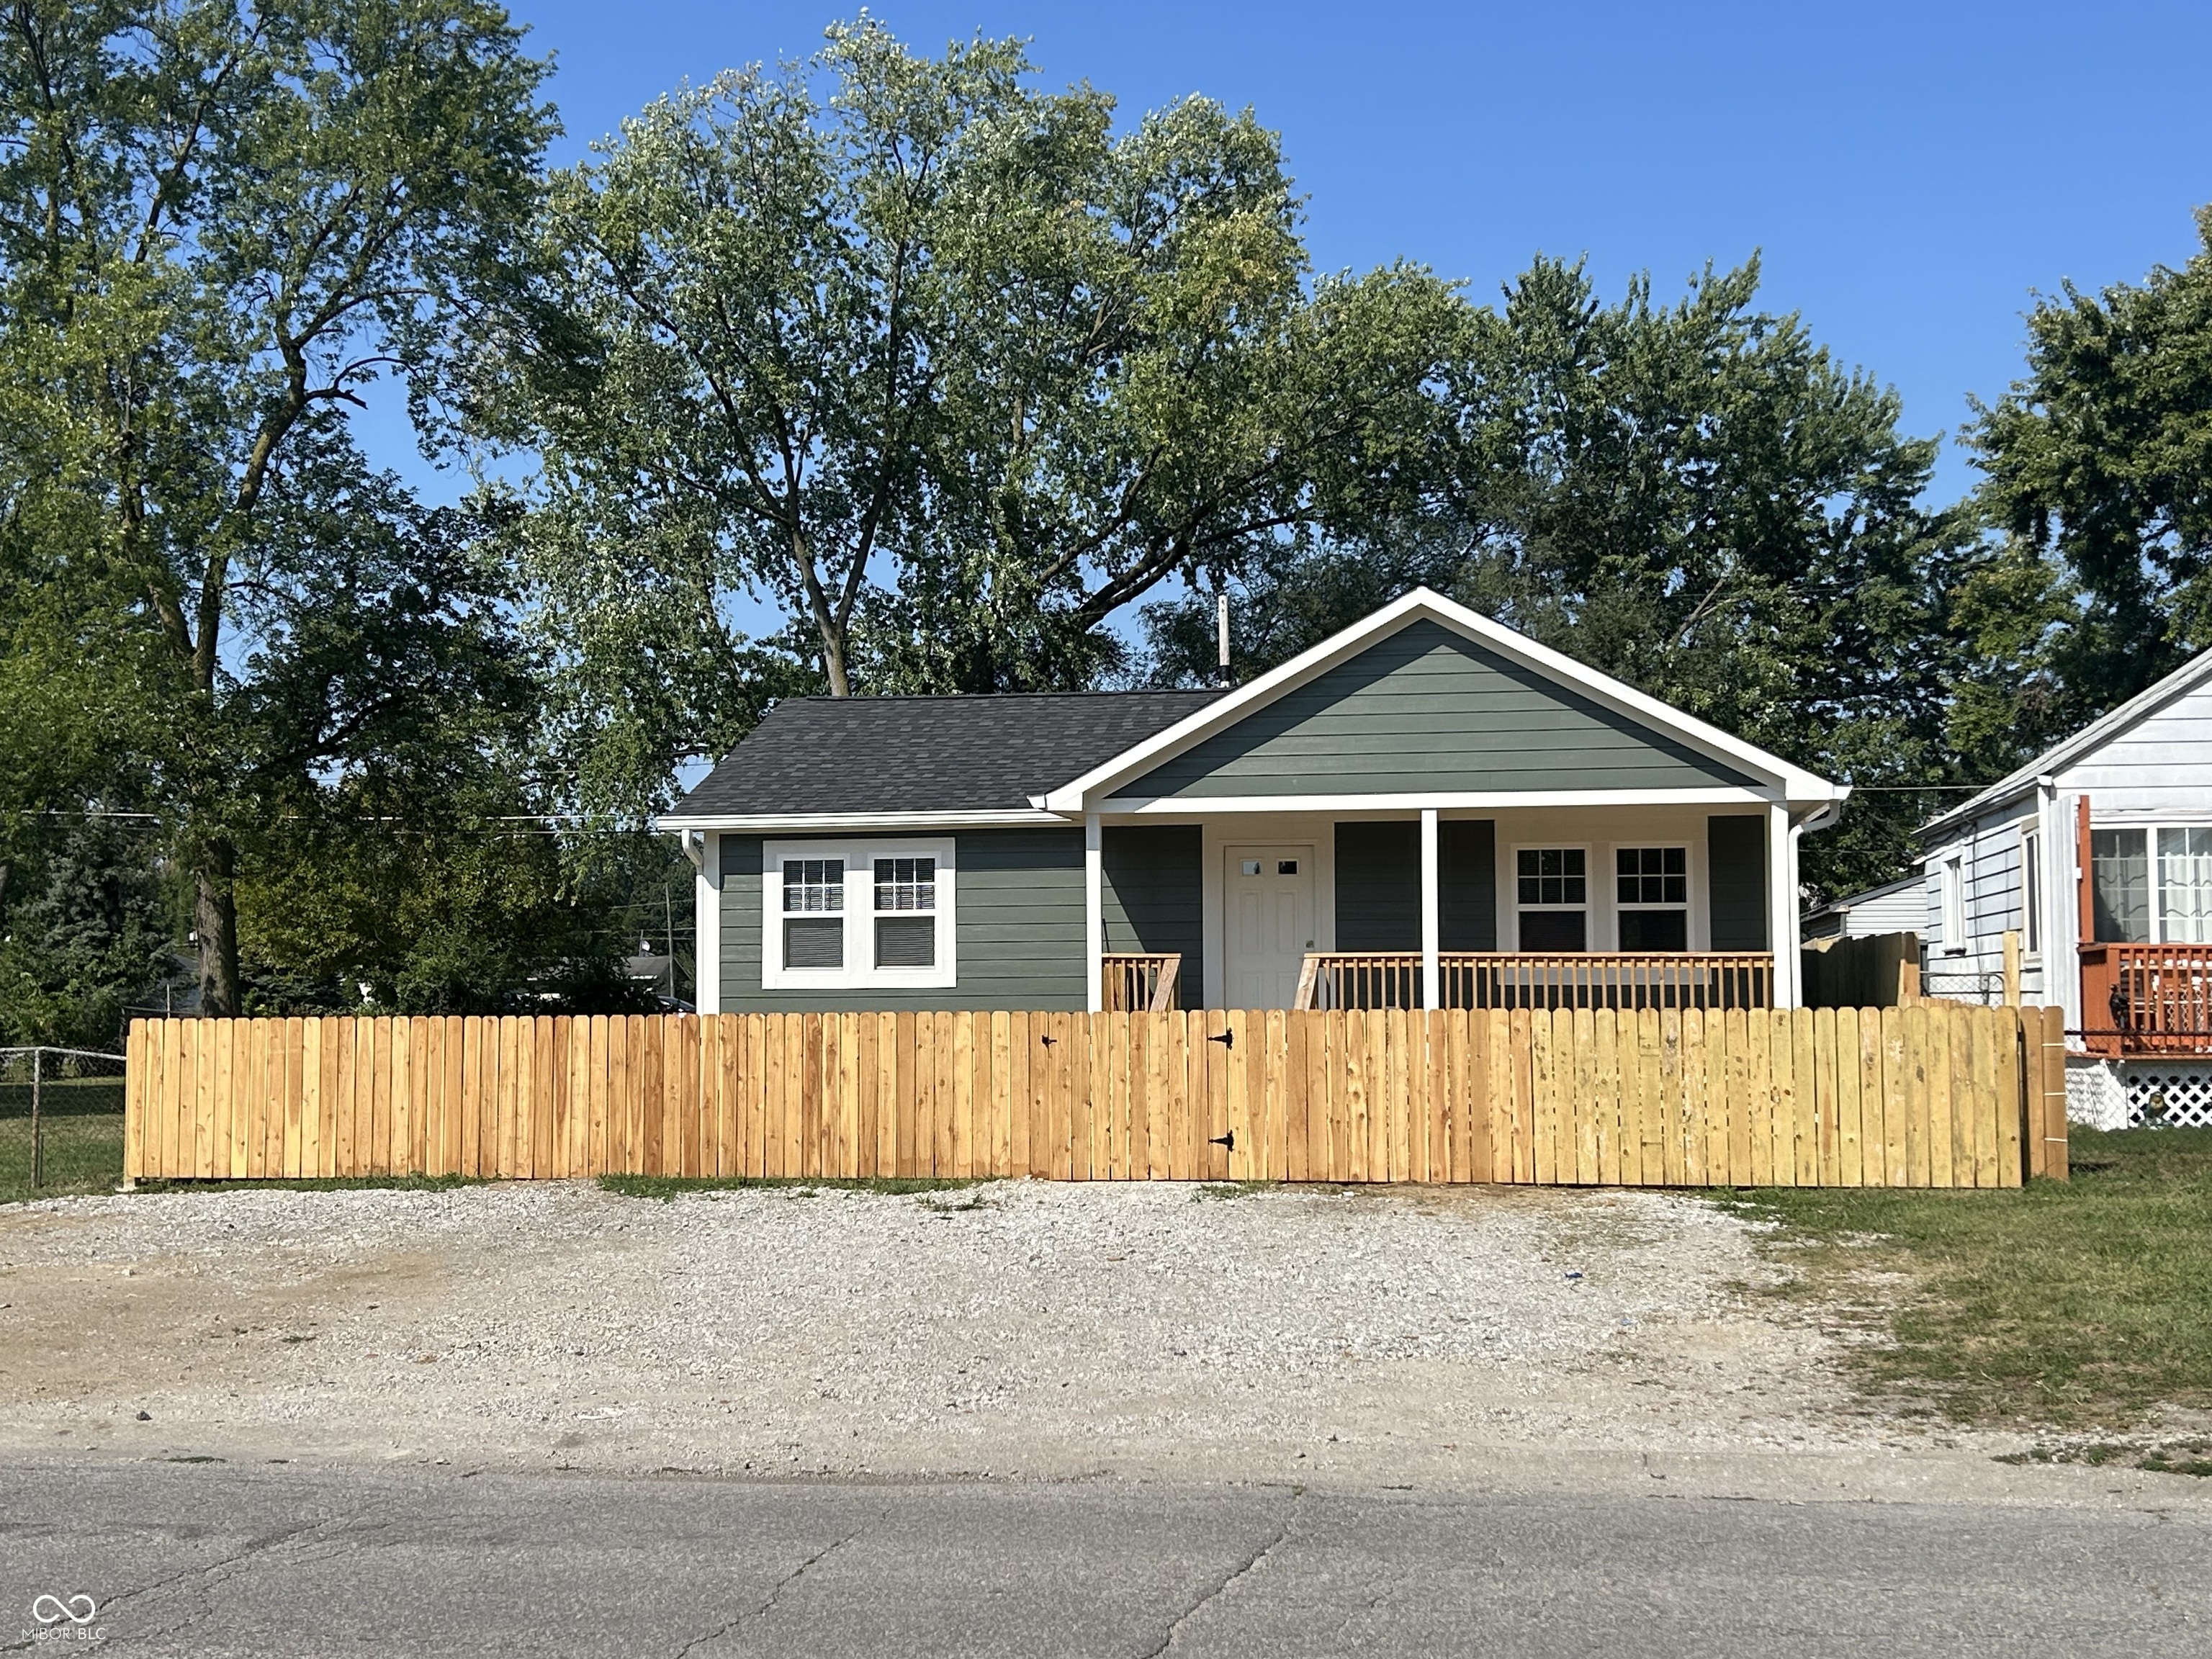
x,y
1017,1328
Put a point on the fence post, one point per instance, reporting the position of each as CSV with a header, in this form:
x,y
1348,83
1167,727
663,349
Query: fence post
x,y
38,1161
2054,1094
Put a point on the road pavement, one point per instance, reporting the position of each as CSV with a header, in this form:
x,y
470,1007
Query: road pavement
x,y
223,1558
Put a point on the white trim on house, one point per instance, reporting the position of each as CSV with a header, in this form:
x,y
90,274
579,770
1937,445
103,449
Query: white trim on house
x,y
707,928
858,971
1187,806
1094,915
808,822
1794,784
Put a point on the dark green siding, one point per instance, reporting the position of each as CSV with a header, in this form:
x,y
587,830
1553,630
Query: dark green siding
x,y
1735,868
1467,884
1426,710
1378,886
1153,897
1019,925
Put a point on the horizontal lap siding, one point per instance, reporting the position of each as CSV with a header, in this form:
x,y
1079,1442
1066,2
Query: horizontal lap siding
x,y
1736,881
1990,870
1378,886
1424,710
1019,922
1467,880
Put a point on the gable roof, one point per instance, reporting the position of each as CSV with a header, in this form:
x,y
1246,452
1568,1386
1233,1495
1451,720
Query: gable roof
x,y
814,756
1796,786
2090,738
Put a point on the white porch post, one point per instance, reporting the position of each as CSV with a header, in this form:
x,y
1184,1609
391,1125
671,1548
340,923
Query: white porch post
x,y
1094,915
1782,904
707,928
1432,927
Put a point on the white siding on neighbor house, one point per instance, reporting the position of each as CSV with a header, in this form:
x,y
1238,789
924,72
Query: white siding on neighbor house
x,y
1905,911
1990,866
2160,769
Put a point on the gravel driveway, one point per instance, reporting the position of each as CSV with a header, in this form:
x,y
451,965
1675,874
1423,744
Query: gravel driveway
x,y
1018,1327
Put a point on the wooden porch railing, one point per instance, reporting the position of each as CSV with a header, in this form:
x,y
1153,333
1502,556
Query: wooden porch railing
x,y
2147,998
1705,979
1140,984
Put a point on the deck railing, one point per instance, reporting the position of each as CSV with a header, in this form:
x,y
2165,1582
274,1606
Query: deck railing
x,y
1137,984
1681,979
2147,998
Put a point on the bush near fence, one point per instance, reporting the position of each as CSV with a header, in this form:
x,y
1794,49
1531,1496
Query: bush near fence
x,y
1925,1096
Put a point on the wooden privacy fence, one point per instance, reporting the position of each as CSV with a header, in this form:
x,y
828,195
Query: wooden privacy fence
x,y
1926,1096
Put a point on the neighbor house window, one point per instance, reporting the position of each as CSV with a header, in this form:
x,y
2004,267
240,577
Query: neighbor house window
x,y
1951,876
1552,888
1651,897
2119,885
853,914
2185,885
2031,893
2153,884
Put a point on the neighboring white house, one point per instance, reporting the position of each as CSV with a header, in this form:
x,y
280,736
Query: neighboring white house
x,y
2098,853
1899,907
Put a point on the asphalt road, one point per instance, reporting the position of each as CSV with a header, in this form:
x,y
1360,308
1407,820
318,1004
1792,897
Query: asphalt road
x,y
213,1559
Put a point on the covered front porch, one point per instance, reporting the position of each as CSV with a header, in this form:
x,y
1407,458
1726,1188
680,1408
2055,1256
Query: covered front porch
x,y
1612,904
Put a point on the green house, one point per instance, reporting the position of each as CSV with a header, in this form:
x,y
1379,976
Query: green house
x,y
1429,810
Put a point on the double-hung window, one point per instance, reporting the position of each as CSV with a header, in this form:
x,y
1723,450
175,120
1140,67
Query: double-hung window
x,y
1651,897
1551,891
855,914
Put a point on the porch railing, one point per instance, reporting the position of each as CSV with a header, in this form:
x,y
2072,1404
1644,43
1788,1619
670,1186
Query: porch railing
x,y
1705,979
1136,983
2147,998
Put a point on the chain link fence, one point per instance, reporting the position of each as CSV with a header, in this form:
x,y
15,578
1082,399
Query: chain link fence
x,y
61,1121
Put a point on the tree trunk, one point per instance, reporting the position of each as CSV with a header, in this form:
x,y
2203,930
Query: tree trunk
x,y
214,918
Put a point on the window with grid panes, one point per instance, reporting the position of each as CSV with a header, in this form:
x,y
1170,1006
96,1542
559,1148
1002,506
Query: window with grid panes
x,y
813,912
1551,884
906,905
1651,897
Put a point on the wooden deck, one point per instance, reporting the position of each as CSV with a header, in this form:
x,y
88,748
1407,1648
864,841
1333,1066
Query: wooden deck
x,y
1591,979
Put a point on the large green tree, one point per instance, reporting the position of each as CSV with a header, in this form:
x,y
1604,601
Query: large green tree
x,y
2099,476
1694,497
218,221
944,369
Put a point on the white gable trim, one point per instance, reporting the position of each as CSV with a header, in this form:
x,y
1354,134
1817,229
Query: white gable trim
x,y
1791,784
2090,738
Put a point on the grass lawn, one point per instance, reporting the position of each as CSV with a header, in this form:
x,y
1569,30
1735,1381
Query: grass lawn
x,y
82,1120
2079,1305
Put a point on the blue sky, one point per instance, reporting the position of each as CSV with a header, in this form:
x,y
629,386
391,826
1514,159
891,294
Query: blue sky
x,y
1910,172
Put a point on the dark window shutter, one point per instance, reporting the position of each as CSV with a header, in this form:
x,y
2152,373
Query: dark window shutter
x,y
1735,868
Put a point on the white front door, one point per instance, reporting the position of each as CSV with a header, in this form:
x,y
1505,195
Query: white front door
x,y
1271,923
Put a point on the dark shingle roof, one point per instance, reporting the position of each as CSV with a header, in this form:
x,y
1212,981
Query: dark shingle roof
x,y
928,753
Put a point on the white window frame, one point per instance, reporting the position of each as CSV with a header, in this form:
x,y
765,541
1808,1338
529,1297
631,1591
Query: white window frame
x,y
859,972
1691,934
2157,875
1589,907
1951,891
2031,894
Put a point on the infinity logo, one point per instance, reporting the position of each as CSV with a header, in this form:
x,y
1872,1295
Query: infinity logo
x,y
51,1610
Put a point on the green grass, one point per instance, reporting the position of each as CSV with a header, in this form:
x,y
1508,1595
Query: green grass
x,y
82,1124
2080,1304
667,1187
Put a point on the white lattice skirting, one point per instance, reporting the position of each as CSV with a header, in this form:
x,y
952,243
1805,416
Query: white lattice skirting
x,y
2125,1094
